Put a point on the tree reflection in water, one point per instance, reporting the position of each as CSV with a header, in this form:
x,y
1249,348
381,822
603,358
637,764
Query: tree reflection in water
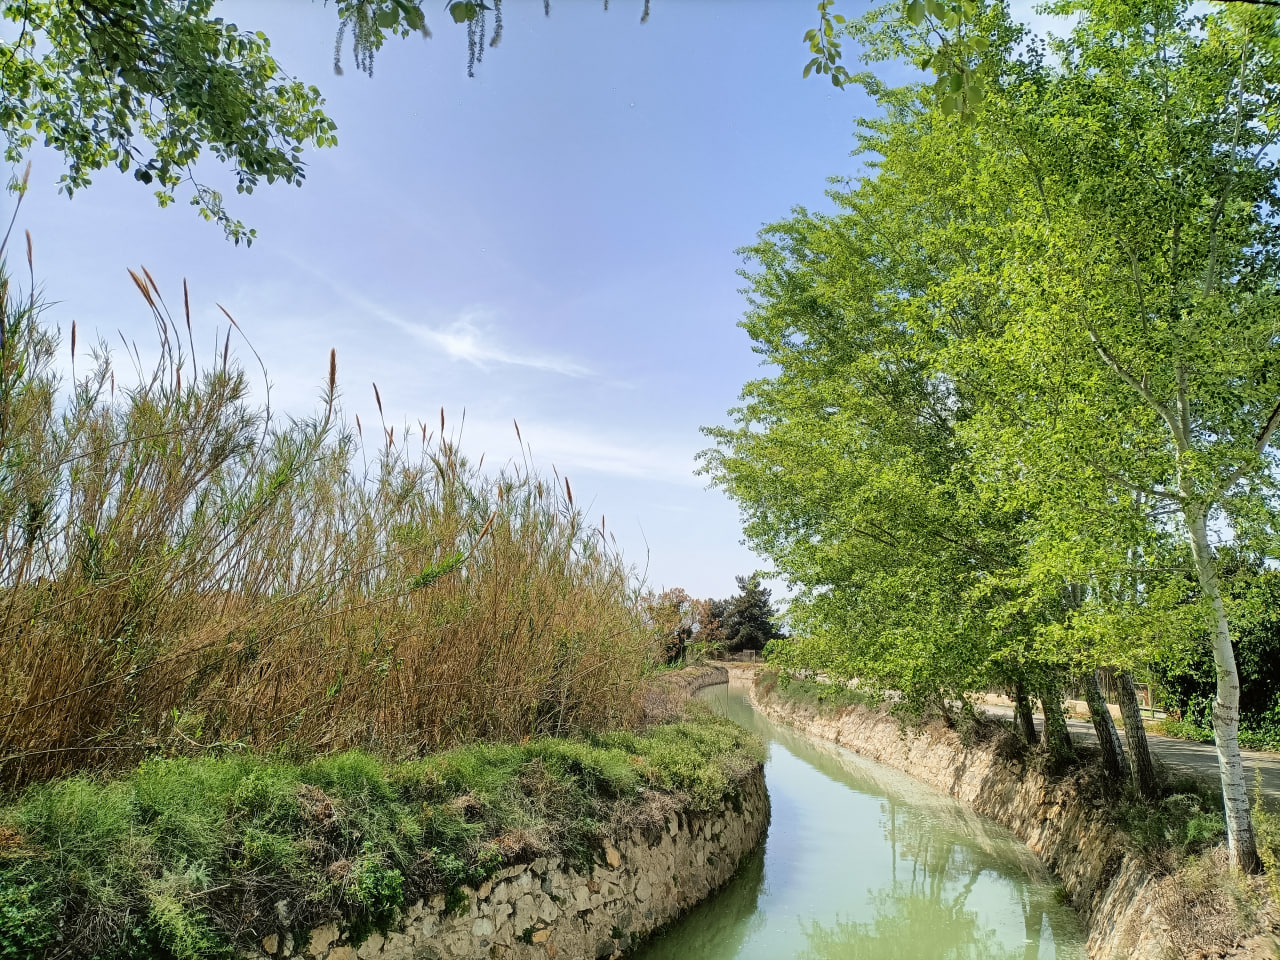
x,y
862,861
925,914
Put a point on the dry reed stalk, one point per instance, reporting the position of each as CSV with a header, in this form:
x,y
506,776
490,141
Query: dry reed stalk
x,y
181,571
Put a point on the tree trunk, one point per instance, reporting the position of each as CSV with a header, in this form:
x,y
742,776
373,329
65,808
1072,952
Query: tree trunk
x,y
1241,842
1023,716
1113,760
1057,737
1144,770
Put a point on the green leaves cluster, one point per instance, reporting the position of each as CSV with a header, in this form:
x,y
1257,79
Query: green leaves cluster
x,y
825,47
151,86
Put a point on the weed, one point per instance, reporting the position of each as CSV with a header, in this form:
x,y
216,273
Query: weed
x,y
822,697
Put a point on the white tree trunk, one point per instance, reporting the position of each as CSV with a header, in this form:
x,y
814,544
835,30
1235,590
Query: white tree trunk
x,y
1226,706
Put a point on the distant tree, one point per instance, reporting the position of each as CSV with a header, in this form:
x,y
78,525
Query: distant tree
x,y
749,620
672,615
710,630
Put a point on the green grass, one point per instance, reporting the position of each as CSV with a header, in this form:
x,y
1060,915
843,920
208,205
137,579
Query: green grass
x,y
1267,738
186,858
824,697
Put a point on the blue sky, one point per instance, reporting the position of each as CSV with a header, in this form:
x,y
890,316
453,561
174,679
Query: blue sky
x,y
551,242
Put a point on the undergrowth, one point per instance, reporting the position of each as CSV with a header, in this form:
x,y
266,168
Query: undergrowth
x,y
823,697
188,857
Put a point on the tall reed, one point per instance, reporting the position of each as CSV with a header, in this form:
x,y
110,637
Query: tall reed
x,y
181,570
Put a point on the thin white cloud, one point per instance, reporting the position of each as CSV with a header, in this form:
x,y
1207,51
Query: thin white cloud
x,y
469,338
570,448
473,341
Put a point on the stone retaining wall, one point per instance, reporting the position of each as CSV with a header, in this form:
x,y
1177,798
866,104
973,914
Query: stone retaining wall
x,y
1114,894
549,908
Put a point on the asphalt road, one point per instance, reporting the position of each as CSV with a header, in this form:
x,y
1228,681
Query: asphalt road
x,y
1183,755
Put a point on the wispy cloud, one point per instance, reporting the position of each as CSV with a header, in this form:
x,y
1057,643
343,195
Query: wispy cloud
x,y
470,339
573,447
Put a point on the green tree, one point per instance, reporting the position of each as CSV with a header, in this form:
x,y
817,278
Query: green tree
x,y
1088,277
748,620
1129,379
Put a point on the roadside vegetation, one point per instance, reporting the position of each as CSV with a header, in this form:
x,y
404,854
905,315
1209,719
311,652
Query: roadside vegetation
x,y
1018,417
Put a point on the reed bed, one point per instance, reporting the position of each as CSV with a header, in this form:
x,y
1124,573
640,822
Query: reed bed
x,y
183,571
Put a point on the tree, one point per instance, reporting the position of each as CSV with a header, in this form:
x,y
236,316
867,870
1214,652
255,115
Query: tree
x,y
672,615
1087,275
749,621
847,464
1142,272
151,86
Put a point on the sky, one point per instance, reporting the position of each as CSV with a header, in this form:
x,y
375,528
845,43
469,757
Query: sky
x,y
552,242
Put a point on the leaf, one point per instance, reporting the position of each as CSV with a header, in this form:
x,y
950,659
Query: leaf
x,y
436,571
915,12
463,11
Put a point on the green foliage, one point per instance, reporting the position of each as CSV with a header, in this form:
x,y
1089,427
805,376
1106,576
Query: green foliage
x,y
166,861
378,890
1187,676
27,921
824,698
150,87
1021,370
1176,827
747,621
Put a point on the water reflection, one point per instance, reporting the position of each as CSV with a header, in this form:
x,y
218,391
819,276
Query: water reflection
x,y
863,861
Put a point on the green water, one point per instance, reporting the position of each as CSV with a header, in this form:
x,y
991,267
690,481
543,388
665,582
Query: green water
x,y
861,861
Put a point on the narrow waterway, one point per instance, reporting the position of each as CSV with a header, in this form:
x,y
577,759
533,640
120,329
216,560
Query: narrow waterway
x,y
862,861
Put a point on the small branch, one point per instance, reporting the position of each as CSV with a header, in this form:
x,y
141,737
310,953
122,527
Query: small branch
x,y
1138,385
1259,445
1155,493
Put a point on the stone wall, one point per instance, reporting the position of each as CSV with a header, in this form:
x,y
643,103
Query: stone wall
x,y
1116,897
549,908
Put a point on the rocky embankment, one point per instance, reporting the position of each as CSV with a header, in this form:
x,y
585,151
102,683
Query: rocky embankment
x,y
552,907
1128,910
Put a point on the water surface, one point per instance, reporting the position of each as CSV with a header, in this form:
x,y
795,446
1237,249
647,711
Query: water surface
x,y
862,861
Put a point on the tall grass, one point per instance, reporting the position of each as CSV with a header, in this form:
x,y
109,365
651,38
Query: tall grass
x,y
182,570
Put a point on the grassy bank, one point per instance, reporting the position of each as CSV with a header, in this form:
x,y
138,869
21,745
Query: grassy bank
x,y
186,858
1186,730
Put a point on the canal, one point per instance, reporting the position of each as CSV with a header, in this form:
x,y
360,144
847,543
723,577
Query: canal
x,y
862,861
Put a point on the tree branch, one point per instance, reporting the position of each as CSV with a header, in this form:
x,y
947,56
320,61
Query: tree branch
x,y
1138,385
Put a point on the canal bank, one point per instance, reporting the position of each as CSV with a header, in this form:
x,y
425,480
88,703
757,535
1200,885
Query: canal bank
x,y
862,860
1128,911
